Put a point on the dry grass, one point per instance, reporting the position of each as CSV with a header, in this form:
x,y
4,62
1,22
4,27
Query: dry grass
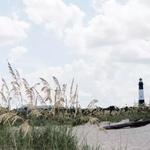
x,y
25,128
10,118
39,93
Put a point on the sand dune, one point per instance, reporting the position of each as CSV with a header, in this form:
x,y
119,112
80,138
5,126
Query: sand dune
x,y
122,139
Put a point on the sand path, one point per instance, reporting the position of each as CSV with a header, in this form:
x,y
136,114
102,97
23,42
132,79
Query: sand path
x,y
121,139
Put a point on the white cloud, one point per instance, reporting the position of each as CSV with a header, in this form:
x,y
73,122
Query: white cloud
x,y
12,31
112,50
115,24
54,14
16,53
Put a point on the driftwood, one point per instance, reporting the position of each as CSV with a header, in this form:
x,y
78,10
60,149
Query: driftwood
x,y
129,124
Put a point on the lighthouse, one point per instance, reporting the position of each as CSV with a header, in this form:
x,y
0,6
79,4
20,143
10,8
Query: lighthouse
x,y
141,92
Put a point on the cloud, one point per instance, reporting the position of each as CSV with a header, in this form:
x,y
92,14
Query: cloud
x,y
111,50
16,53
54,15
12,31
117,32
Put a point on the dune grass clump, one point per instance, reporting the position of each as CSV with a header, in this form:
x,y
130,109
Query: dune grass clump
x,y
32,138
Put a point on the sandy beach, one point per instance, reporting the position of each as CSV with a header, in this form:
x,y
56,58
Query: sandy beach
x,y
121,139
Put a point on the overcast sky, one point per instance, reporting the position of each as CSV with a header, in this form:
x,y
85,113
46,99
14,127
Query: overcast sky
x,y
104,44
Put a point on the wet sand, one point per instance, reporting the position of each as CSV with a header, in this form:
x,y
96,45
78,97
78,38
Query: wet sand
x,y
121,139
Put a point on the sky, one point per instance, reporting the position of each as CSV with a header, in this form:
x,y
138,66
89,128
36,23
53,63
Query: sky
x,y
103,44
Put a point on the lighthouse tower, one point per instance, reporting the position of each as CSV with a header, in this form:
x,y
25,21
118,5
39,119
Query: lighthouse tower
x,y
141,92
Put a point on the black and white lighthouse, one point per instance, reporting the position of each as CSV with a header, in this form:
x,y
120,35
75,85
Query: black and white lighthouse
x,y
141,92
